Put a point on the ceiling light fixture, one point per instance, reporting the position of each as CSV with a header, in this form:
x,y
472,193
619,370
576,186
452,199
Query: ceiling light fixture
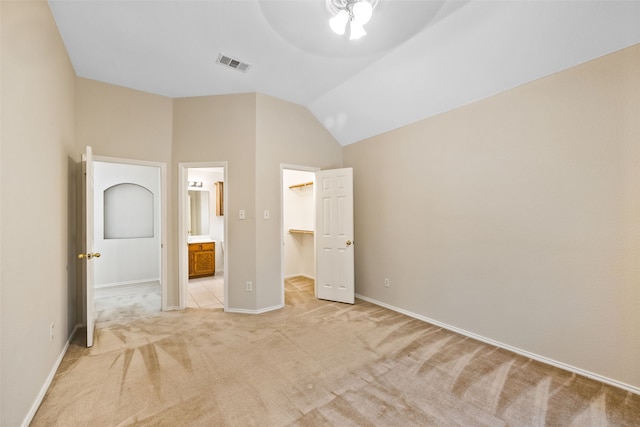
x,y
356,13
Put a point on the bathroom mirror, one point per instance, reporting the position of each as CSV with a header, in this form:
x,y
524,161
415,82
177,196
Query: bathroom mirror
x,y
198,213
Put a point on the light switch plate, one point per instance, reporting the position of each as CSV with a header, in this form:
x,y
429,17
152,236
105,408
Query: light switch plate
x,y
242,214
266,214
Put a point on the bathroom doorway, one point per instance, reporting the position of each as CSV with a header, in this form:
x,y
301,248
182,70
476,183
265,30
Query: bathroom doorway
x,y
202,231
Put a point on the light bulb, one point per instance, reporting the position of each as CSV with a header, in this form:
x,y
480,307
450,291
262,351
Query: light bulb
x,y
362,12
357,30
339,22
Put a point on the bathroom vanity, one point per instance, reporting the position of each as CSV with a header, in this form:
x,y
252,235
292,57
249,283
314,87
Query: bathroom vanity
x,y
202,259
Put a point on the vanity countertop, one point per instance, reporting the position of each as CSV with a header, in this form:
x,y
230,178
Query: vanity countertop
x,y
199,239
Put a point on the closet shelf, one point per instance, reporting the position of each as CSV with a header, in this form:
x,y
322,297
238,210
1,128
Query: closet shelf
x,y
304,184
298,231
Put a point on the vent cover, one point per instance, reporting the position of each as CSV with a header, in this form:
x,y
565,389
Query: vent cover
x,y
233,63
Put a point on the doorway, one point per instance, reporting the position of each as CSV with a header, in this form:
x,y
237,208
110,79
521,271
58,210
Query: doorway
x,y
129,223
328,195
202,224
298,224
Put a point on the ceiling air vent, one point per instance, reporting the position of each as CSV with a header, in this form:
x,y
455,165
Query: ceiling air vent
x,y
233,63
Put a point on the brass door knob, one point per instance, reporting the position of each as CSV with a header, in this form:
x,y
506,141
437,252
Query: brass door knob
x,y
89,256
348,242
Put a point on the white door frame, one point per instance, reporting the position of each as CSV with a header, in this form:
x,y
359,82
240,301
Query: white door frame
x,y
163,214
183,242
284,166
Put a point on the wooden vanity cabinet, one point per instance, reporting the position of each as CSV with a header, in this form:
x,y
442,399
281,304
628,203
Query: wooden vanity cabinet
x,y
202,259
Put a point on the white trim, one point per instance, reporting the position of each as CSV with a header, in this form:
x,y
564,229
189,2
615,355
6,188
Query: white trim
x,y
183,246
543,359
47,383
128,282
164,230
133,162
260,311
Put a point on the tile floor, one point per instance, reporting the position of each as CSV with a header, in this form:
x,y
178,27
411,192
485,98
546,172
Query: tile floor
x,y
206,292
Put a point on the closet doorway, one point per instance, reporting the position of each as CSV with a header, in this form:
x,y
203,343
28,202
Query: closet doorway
x,y
298,224
202,235
318,232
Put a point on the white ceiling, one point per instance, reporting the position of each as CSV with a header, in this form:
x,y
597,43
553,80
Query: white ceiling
x,y
419,58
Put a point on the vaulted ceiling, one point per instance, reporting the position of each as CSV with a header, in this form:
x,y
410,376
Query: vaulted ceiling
x,y
419,58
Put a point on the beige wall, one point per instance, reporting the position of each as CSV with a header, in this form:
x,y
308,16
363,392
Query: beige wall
x,y
289,134
516,218
254,133
129,124
223,128
38,203
121,122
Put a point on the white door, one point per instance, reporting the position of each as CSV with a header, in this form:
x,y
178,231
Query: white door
x,y
334,235
87,255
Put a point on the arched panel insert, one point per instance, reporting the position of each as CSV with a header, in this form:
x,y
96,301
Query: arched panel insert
x,y
128,212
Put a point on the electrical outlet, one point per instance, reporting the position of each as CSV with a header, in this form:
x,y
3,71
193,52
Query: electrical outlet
x,y
249,287
386,282
51,328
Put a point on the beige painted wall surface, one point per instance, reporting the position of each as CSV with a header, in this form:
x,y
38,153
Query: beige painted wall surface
x,y
121,122
223,128
38,203
129,124
290,134
516,218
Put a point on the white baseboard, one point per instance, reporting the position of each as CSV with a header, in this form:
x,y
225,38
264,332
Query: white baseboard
x,y
47,383
521,352
129,282
260,311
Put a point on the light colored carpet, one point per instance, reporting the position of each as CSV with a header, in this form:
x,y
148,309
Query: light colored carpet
x,y
314,363
120,304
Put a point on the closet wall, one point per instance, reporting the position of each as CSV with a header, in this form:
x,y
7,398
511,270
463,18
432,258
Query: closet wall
x,y
298,213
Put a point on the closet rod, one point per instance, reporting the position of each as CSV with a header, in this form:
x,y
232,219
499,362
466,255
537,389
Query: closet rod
x,y
304,184
294,230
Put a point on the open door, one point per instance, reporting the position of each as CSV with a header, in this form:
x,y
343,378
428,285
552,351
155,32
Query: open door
x,y
334,235
88,255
